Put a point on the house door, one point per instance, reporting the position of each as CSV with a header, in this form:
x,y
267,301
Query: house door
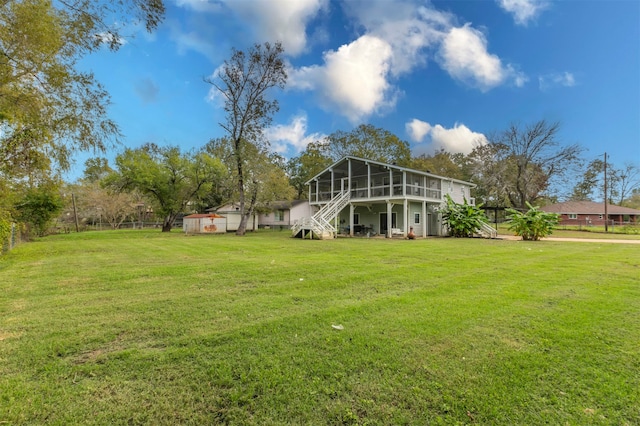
x,y
383,222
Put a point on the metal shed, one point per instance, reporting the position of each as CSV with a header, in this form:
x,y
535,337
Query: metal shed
x,y
206,223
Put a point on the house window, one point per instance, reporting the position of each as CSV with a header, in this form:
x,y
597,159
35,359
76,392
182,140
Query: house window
x,y
356,218
279,215
572,216
600,216
416,218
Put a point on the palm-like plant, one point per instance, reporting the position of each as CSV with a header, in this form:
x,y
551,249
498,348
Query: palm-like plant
x,y
533,224
463,220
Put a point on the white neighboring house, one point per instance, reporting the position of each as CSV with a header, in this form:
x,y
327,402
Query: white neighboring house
x,y
365,197
232,213
284,214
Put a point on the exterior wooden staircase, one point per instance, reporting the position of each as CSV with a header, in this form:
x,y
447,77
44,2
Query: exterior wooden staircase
x,y
487,231
319,226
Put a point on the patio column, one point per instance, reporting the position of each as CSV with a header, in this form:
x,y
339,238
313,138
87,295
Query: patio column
x,y
405,206
333,189
389,218
317,190
351,210
404,186
368,180
424,219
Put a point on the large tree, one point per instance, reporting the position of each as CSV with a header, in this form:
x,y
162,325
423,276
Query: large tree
x,y
48,108
245,81
530,161
303,167
265,178
443,163
166,176
590,182
369,142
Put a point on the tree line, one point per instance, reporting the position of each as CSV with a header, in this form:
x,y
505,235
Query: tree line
x,y
49,110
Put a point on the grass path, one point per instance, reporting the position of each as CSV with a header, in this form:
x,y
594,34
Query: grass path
x,y
140,327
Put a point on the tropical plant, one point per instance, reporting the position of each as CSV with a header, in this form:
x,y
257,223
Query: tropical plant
x,y
463,220
532,224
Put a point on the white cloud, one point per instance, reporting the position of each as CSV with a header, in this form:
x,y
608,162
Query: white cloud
x,y
459,138
549,81
463,54
353,78
524,11
417,129
294,134
408,28
279,20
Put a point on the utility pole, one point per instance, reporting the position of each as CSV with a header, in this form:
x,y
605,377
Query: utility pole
x,y
606,216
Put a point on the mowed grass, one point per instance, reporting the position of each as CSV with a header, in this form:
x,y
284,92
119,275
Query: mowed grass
x,y
140,327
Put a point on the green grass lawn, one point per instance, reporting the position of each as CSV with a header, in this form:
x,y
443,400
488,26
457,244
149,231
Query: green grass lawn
x,y
140,327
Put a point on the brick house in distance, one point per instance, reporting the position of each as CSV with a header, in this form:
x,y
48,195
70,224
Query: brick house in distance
x,y
587,213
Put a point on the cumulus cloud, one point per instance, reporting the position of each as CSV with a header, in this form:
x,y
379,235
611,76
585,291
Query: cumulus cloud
x,y
549,81
524,11
409,29
358,79
353,78
417,129
294,134
463,54
459,138
279,20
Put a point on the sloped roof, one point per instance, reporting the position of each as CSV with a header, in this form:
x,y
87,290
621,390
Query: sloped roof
x,y
389,166
588,207
203,215
284,205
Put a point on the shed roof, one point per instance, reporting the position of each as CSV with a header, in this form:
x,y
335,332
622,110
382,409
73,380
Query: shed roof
x,y
203,215
588,207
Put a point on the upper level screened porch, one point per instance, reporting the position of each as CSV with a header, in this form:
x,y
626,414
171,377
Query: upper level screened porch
x,y
367,180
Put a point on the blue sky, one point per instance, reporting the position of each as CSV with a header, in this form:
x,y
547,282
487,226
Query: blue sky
x,y
439,74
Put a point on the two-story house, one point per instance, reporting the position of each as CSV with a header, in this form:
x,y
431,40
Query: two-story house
x,y
357,196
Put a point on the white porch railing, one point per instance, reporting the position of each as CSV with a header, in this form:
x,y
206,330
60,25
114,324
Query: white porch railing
x,y
487,230
320,223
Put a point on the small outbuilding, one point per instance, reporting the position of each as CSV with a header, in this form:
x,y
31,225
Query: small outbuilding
x,y
206,223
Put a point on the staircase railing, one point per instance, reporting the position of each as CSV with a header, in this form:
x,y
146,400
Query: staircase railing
x,y
320,223
487,230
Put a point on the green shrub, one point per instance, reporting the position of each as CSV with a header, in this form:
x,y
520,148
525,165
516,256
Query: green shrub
x,y
463,220
533,224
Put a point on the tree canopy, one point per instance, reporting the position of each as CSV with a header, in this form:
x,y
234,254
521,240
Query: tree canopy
x,y
244,81
522,163
370,142
168,177
48,108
